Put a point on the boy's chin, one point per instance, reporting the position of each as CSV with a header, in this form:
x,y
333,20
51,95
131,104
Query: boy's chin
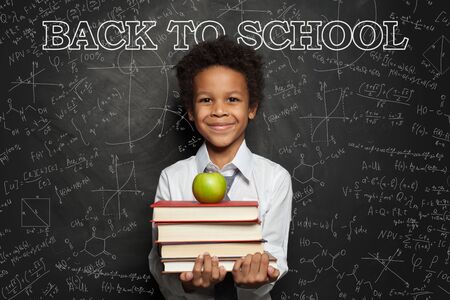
x,y
220,144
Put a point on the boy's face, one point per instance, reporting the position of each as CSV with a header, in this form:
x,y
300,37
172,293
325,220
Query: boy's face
x,y
221,106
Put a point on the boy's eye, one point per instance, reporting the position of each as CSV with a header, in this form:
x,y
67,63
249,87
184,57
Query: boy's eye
x,y
232,99
206,100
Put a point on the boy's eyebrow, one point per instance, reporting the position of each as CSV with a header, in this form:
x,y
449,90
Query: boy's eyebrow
x,y
207,92
236,92
201,92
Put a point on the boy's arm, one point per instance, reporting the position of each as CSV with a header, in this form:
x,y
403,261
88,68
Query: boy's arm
x,y
275,230
169,284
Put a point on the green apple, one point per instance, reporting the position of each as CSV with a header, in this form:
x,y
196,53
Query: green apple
x,y
209,187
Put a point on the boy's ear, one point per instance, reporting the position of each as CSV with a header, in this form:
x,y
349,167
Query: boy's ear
x,y
252,111
190,115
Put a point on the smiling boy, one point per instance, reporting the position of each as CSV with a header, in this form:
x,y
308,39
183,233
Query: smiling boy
x,y
221,84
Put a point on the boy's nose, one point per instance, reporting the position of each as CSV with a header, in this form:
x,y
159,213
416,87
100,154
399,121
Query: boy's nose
x,y
219,109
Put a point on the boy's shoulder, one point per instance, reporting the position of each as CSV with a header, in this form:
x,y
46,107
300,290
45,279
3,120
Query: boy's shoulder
x,y
268,166
180,167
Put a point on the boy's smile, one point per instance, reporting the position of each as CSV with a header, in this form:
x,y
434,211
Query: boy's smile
x,y
221,107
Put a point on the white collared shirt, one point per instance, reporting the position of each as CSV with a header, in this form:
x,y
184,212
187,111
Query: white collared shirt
x,y
258,179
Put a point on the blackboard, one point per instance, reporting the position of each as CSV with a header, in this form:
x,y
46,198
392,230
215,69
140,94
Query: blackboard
x,y
364,134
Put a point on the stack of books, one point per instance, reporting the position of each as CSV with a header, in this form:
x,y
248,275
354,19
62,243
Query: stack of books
x,y
186,229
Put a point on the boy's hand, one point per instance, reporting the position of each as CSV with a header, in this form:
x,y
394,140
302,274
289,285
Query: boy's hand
x,y
254,271
206,273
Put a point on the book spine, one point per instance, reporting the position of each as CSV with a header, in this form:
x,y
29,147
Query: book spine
x,y
256,221
175,203
207,242
192,259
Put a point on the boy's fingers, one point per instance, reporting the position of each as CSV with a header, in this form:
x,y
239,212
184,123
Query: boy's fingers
x,y
273,273
245,268
254,266
186,276
207,268
215,274
263,269
197,271
237,269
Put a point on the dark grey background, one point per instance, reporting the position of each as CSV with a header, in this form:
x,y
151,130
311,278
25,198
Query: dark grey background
x,y
85,134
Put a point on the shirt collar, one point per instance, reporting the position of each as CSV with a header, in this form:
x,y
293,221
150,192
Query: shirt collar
x,y
242,160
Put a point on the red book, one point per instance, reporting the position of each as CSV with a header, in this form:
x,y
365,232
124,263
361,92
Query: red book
x,y
187,264
195,212
208,232
189,250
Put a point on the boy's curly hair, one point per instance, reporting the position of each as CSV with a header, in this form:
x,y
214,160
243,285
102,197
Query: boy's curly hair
x,y
223,52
